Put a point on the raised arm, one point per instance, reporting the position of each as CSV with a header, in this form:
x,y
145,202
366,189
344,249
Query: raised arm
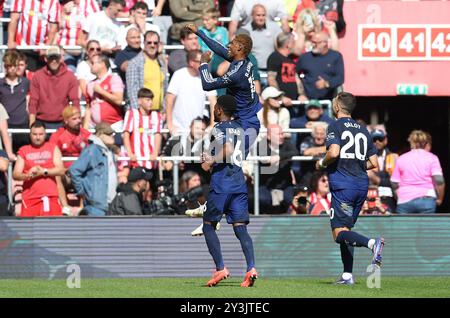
x,y
209,82
215,46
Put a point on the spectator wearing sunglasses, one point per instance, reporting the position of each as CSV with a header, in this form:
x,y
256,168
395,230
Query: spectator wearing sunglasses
x,y
386,164
147,69
94,174
83,72
321,70
273,111
319,195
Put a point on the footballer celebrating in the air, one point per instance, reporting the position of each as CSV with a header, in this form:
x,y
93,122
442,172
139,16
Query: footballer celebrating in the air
x,y
350,152
238,80
228,190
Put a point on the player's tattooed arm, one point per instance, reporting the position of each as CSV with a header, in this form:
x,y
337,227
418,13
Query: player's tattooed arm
x,y
372,163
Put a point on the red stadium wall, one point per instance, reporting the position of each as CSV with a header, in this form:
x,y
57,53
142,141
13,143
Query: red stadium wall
x,y
409,44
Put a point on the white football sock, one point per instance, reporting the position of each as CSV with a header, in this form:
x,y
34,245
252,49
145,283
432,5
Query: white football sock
x,y
371,244
347,276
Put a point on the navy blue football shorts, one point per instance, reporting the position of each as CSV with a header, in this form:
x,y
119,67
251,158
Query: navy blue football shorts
x,y
233,205
251,129
345,207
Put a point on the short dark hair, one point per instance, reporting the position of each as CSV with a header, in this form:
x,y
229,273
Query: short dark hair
x,y
37,124
151,32
139,5
314,181
188,175
105,60
184,33
22,57
192,55
246,41
92,41
198,118
121,2
347,102
145,93
228,104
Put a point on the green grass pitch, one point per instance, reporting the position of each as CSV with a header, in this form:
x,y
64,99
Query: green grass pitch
x,y
194,288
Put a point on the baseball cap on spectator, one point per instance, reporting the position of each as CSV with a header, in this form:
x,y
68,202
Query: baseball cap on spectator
x,y
139,174
271,92
103,128
313,103
378,133
69,111
302,187
53,51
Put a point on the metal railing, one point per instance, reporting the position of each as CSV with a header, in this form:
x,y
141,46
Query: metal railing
x,y
176,162
77,47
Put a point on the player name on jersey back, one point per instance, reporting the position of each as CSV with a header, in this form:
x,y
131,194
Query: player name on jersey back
x,y
356,146
228,177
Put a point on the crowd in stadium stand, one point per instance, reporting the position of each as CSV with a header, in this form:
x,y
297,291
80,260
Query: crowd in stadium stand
x,y
119,80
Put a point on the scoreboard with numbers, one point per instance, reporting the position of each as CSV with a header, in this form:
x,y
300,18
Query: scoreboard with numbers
x,y
395,42
397,47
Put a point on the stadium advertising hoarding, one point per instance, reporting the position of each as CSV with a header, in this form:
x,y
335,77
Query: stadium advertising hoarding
x,y
392,43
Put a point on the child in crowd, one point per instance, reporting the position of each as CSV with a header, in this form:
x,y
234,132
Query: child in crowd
x,y
142,132
210,28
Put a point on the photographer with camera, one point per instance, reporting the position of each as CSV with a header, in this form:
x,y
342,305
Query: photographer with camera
x,y
130,196
300,204
373,204
167,203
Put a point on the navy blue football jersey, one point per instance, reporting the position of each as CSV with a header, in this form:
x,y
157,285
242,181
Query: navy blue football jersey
x,y
238,80
349,170
228,177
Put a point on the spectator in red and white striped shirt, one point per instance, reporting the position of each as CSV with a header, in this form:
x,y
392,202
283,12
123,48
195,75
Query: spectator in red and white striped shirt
x,y
142,132
33,22
73,15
